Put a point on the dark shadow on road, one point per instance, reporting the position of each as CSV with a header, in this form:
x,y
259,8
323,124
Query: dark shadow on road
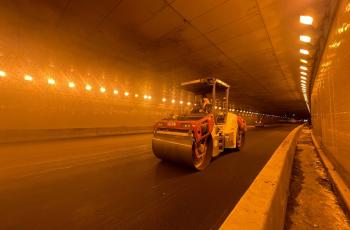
x,y
168,170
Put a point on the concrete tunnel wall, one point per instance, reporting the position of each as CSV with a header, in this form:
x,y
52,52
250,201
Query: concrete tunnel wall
x,y
330,98
32,44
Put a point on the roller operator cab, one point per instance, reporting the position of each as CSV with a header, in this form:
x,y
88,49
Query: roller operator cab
x,y
194,139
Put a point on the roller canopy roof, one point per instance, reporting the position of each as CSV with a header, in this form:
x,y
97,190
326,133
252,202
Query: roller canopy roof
x,y
204,85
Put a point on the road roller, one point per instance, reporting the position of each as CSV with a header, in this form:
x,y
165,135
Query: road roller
x,y
193,139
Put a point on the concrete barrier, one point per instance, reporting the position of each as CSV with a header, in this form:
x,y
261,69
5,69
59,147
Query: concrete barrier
x,y
263,206
10,136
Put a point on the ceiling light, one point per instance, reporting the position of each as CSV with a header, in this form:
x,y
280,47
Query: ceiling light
x,y
173,101
307,20
335,44
163,99
51,81
303,81
188,103
126,94
71,84
304,51
181,102
303,73
102,89
303,67
302,77
303,61
145,97
88,87
28,78
305,38
149,97
115,91
2,73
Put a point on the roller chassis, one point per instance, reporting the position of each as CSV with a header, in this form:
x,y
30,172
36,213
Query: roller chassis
x,y
194,139
206,138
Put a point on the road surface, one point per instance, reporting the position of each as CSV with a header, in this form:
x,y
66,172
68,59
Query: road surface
x,y
117,183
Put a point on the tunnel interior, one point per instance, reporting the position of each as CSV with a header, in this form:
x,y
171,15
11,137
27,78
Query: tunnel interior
x,y
75,75
70,64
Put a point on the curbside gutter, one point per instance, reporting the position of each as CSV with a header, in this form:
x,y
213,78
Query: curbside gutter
x,y
263,206
338,183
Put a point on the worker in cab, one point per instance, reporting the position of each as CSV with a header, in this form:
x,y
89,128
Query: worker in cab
x,y
204,107
207,107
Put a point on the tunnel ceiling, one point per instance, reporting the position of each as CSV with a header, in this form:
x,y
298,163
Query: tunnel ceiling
x,y
252,45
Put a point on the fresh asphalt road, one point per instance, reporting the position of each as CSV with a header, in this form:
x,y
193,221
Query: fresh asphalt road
x,y
117,183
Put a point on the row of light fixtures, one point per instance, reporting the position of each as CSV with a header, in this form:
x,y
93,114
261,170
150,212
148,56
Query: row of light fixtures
x,y
72,85
304,69
88,87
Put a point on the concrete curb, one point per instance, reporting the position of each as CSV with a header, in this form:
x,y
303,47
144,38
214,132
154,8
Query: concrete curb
x,y
263,206
339,185
18,136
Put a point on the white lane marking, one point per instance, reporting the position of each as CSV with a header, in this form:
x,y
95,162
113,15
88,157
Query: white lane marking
x,y
75,157
78,164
